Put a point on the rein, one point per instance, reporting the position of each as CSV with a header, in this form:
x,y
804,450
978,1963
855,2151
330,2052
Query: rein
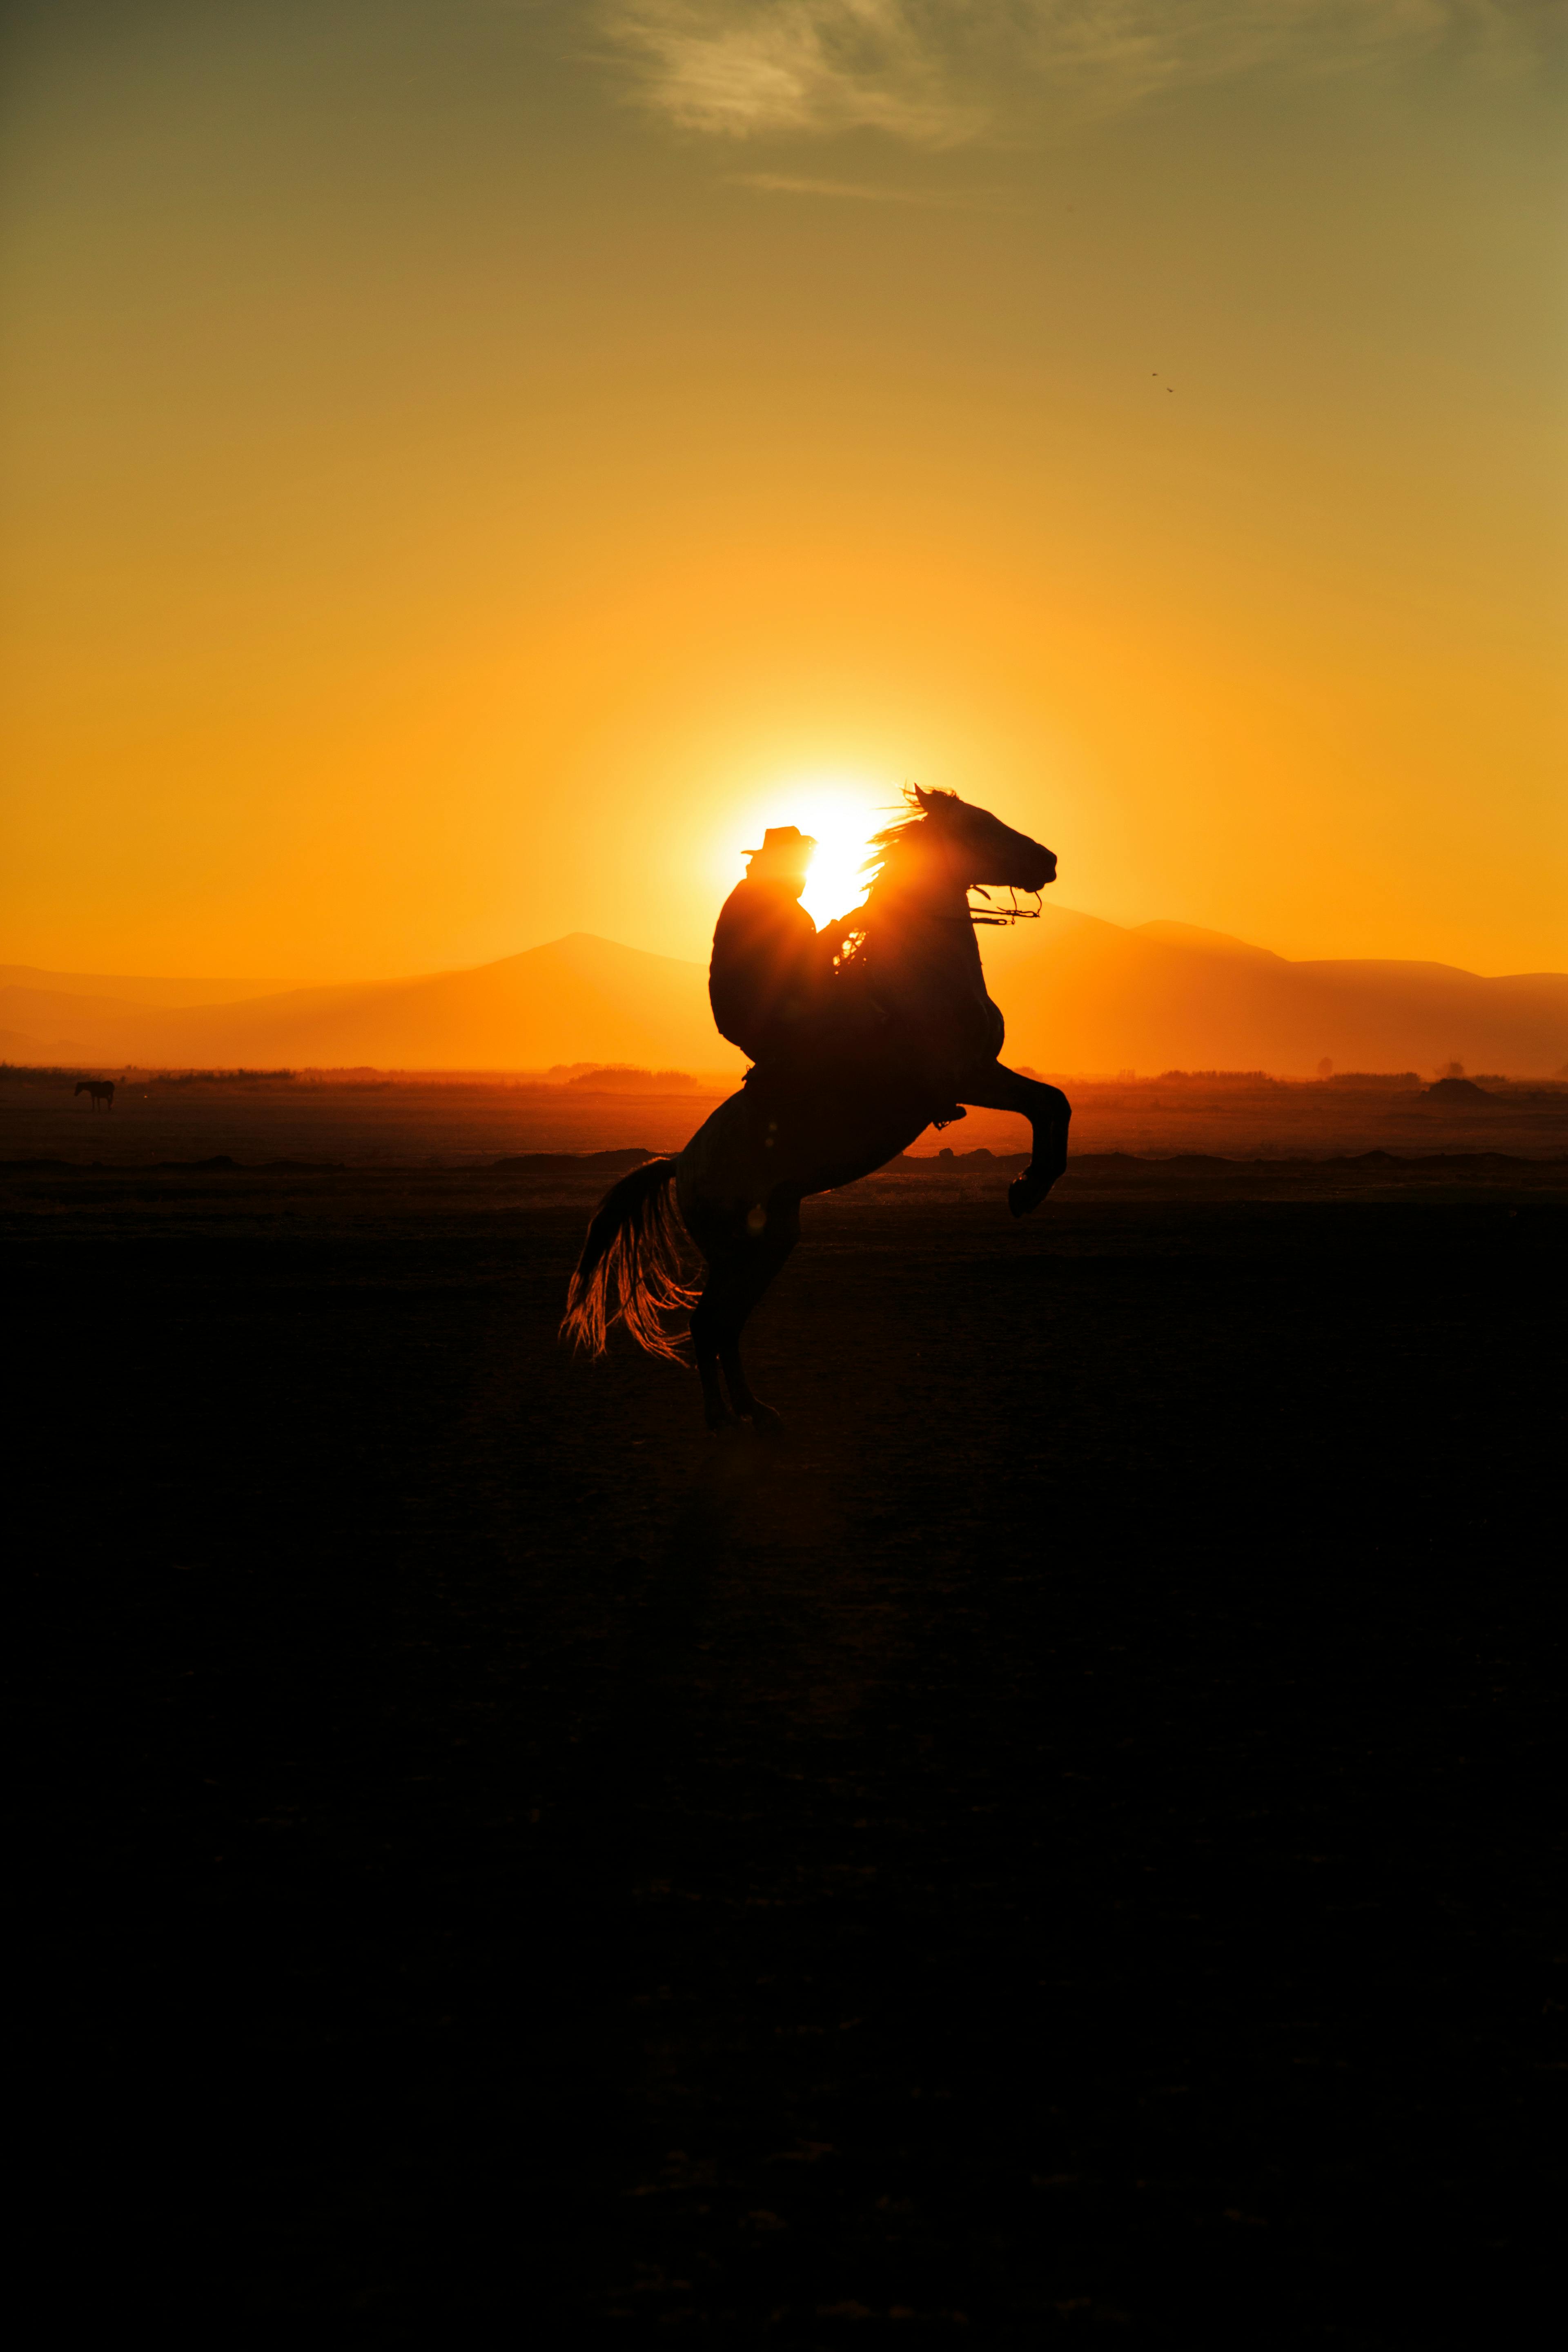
x,y
1012,914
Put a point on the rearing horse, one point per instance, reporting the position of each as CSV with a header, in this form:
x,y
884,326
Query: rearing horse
x,y
926,1035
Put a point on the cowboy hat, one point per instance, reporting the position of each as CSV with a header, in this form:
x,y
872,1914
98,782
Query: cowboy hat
x,y
780,838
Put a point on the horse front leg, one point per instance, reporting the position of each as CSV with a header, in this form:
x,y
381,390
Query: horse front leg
x,y
1048,1111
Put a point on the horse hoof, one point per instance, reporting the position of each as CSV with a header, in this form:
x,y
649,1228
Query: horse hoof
x,y
1026,1193
766,1421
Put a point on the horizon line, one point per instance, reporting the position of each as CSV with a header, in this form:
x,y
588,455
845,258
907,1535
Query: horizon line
x,y
281,986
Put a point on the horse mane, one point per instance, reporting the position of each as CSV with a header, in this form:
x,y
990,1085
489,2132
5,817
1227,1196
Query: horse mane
x,y
923,802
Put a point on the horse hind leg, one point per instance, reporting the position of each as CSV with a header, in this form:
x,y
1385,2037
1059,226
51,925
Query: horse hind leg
x,y
749,1406
765,1259
708,1329
734,1289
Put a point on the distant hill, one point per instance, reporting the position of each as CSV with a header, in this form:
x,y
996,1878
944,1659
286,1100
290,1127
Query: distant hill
x,y
580,999
1077,993
116,988
1081,995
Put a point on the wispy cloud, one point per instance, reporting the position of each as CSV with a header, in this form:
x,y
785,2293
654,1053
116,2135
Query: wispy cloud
x,y
784,184
943,73
741,67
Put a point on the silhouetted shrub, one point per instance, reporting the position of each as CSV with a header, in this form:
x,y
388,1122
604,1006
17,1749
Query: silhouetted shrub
x,y
625,1078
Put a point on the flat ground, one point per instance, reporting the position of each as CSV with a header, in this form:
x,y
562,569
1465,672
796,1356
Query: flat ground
x,y
1063,1846
412,1122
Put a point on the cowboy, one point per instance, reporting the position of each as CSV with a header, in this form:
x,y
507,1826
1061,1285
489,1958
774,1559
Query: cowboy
x,y
776,994
771,971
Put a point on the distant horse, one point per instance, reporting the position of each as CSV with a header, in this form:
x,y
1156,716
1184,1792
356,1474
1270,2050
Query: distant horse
x,y
100,1089
913,980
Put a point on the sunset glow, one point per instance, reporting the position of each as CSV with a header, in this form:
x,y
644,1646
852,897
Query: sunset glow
x,y
465,478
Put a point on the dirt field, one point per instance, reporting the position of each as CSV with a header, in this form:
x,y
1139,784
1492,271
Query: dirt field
x,y
1064,1848
458,1122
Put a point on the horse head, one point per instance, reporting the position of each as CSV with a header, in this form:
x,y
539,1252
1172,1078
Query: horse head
x,y
975,848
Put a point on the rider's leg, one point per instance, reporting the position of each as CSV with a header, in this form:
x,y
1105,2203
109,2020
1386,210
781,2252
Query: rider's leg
x,y
1048,1111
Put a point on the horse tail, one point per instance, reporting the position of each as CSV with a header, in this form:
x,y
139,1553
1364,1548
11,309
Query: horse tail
x,y
632,1265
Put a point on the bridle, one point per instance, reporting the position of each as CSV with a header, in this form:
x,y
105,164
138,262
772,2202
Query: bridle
x,y
1013,913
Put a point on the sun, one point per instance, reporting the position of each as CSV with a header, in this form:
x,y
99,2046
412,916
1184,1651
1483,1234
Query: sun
x,y
841,814
836,882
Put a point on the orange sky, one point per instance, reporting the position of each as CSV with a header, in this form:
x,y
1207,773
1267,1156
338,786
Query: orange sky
x,y
467,467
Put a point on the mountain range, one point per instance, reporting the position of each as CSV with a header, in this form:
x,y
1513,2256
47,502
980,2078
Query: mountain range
x,y
1080,995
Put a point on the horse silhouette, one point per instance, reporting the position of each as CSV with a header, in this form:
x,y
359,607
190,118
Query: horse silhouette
x,y
100,1089
927,1040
